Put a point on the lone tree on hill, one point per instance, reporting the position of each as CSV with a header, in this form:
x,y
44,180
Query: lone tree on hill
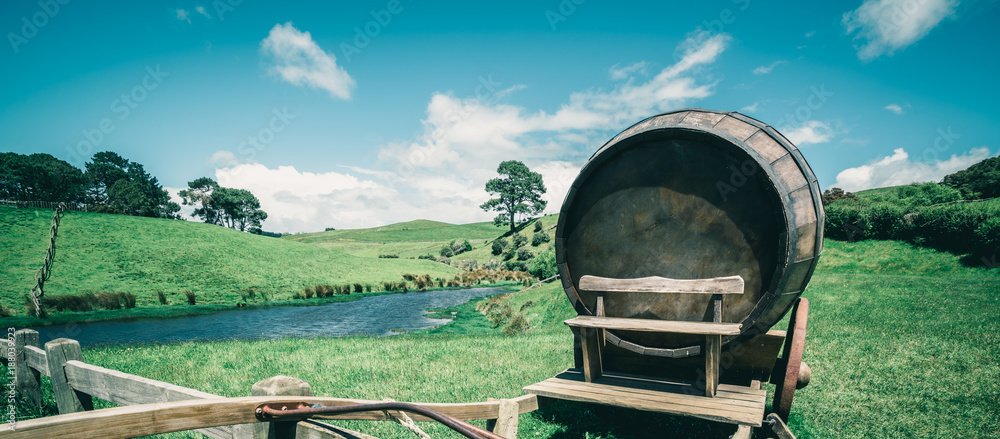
x,y
520,193
234,208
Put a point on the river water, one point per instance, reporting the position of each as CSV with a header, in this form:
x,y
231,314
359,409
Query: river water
x,y
375,315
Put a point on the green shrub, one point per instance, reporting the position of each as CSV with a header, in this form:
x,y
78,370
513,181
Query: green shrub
x,y
368,288
523,254
517,324
460,246
988,234
845,221
444,260
927,194
192,298
885,221
298,295
447,252
498,246
427,256
308,292
538,226
492,264
468,264
516,265
358,288
388,256
108,300
128,300
543,266
162,297
519,240
539,238
6,312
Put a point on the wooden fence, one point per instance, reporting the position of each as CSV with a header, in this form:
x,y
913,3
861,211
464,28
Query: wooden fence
x,y
45,205
75,384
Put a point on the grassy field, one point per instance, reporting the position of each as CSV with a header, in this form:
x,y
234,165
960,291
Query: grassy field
x,y
100,252
897,350
415,238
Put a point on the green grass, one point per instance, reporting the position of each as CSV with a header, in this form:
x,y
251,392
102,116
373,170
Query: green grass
x,y
415,238
902,342
101,252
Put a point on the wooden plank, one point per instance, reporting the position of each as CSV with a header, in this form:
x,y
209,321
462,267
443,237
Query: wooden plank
x,y
506,423
728,391
744,431
649,325
657,284
684,404
166,417
310,429
591,351
713,352
27,379
35,359
68,399
652,389
125,389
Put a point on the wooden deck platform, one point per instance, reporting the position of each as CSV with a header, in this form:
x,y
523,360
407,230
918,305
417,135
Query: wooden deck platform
x,y
732,404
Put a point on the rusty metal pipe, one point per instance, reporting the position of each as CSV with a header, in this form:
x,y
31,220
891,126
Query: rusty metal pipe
x,y
281,412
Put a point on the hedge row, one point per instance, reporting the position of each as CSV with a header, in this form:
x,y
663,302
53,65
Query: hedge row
x,y
959,227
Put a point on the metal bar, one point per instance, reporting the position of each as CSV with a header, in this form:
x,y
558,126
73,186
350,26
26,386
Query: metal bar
x,y
278,412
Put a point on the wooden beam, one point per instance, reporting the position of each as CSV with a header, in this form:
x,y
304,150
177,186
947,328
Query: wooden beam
x,y
27,380
166,417
34,357
656,284
650,325
713,352
57,353
592,368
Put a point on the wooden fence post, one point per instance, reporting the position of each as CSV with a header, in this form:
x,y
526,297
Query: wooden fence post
x,y
279,385
506,423
58,352
26,380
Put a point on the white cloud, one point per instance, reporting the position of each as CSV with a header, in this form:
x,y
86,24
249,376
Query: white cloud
x,y
763,70
296,58
890,25
811,131
750,108
183,16
441,173
898,169
223,158
895,108
619,73
201,10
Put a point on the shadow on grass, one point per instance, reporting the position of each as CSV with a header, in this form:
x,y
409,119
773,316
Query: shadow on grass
x,y
597,421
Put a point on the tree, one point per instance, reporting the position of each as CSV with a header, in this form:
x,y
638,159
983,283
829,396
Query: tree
x,y
199,194
238,209
123,186
981,180
834,194
39,177
519,192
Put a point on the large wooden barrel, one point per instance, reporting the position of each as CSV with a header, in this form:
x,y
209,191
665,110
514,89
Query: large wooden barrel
x,y
692,194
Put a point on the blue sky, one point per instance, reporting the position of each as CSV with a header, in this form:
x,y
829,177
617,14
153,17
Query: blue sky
x,y
357,114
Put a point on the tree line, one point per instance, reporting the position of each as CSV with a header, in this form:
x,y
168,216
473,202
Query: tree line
x,y
110,183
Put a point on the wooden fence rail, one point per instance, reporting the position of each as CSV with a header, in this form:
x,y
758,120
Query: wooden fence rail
x,y
75,384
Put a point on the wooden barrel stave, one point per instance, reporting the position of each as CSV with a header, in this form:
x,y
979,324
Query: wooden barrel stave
x,y
710,145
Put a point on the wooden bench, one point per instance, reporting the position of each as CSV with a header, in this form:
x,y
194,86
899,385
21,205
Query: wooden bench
x,y
590,329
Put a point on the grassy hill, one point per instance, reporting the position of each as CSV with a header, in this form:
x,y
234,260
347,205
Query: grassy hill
x,y
415,238
904,350
101,252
